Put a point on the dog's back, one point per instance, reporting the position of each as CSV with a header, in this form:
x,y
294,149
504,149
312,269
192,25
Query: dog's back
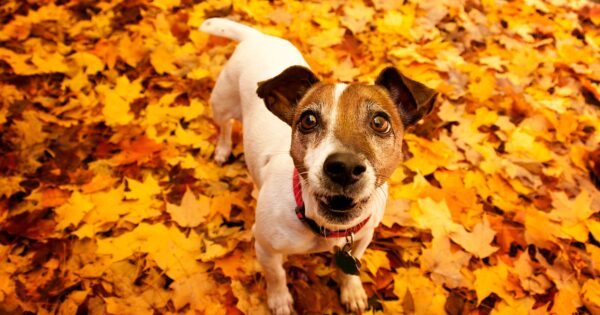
x,y
258,57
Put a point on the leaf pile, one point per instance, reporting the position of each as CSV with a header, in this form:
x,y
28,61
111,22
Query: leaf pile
x,y
110,202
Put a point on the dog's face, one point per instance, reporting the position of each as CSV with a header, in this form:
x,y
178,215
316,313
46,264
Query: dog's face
x,y
346,139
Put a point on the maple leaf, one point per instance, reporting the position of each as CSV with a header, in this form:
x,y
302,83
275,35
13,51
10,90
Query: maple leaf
x,y
174,252
476,242
249,301
71,213
490,280
443,263
356,16
145,190
162,60
192,211
590,295
346,72
536,283
426,297
199,291
375,259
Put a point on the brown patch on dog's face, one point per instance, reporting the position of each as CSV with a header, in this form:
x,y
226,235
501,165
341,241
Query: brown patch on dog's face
x,y
318,101
361,105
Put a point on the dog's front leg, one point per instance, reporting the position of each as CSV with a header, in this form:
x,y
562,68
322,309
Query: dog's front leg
x,y
279,297
353,295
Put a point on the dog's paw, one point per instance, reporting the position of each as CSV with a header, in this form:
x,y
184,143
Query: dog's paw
x,y
222,154
353,295
281,302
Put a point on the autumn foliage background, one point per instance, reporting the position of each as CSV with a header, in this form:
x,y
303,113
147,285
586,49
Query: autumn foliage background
x,y
110,202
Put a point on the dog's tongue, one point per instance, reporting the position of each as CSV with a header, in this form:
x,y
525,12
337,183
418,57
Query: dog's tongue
x,y
340,202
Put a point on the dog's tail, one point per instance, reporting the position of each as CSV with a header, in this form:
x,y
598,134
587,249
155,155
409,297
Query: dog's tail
x,y
228,29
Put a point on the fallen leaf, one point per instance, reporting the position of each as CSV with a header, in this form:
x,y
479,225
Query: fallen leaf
x,y
191,212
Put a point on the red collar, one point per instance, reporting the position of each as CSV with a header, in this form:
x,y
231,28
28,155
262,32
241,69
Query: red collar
x,y
321,230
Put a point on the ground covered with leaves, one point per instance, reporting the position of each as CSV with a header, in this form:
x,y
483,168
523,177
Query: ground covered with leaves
x,y
110,202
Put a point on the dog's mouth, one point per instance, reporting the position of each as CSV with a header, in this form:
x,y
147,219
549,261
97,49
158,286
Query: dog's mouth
x,y
337,203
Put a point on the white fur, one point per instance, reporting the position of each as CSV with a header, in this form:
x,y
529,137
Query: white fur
x,y
267,140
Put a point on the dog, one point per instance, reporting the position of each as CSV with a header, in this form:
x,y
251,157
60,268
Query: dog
x,y
319,153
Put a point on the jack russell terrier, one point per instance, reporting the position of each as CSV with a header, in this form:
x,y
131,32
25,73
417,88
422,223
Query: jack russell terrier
x,y
319,153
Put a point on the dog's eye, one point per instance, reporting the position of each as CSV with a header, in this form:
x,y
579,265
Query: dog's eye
x,y
308,122
380,124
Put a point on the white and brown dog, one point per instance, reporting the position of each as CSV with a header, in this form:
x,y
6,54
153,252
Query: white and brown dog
x,y
319,153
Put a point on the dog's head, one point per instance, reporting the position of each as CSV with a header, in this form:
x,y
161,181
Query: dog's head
x,y
346,139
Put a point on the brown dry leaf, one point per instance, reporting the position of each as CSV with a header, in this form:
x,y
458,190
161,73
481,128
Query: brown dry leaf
x,y
199,291
444,263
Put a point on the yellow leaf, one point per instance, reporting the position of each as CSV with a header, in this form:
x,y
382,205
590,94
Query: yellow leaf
x,y
328,38
142,190
375,259
131,304
131,51
476,242
572,215
213,250
427,155
427,297
396,212
192,211
50,63
397,21
590,294
490,280
188,137
568,300
10,185
18,62
109,206
90,62
524,144
198,73
129,91
594,227
484,117
346,71
162,60
483,86
199,291
174,252
71,213
356,16
116,109
166,4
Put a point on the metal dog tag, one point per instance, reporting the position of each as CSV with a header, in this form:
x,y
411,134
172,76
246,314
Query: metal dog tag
x,y
344,259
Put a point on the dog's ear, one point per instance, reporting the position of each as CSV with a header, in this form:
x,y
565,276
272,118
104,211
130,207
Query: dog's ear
x,y
283,92
414,100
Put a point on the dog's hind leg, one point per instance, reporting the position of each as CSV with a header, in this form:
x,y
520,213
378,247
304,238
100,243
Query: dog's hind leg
x,y
279,298
225,103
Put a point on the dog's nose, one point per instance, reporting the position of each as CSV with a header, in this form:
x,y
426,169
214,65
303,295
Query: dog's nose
x,y
344,168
